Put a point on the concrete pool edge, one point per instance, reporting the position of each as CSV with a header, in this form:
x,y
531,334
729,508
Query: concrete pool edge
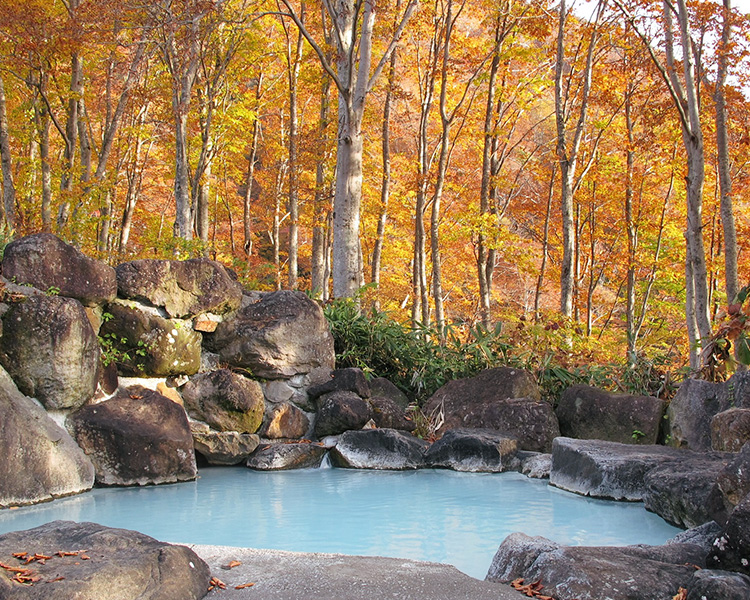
x,y
283,575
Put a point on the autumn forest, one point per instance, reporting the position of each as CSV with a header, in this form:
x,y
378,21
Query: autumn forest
x,y
577,172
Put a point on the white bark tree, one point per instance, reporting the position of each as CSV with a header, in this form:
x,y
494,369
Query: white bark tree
x,y
352,73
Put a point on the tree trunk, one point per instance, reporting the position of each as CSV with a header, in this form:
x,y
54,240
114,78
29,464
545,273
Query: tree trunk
x,y
321,210
567,150
247,221
545,244
385,186
9,189
42,122
71,135
722,149
293,67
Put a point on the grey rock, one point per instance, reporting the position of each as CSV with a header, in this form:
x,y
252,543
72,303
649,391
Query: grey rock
x,y
184,288
473,450
605,469
708,584
51,351
684,492
388,414
47,263
379,449
382,387
285,421
342,380
40,461
702,536
224,448
284,456
279,336
277,390
122,565
138,437
466,402
537,466
697,402
147,344
531,422
730,549
730,429
596,573
733,481
588,413
225,400
339,412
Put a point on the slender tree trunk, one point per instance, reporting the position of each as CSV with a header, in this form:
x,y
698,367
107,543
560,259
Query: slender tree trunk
x,y
567,149
490,141
294,62
247,210
71,135
9,189
722,149
42,122
545,244
385,186
630,227
321,210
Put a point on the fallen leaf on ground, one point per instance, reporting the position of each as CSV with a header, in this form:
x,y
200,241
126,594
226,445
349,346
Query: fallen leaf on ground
x,y
244,585
231,565
680,595
216,583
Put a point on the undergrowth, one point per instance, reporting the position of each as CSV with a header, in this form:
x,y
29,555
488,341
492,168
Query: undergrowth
x,y
420,360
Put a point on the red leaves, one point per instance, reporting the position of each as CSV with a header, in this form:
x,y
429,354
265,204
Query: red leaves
x,y
680,595
26,576
215,582
243,586
532,590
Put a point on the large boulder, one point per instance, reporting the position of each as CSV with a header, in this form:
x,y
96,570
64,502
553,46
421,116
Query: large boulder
x,y
279,336
93,562
606,469
730,430
596,573
183,288
224,448
339,412
138,437
40,461
285,421
342,380
733,481
463,400
730,550
379,449
49,264
284,456
708,584
51,351
384,388
503,399
388,414
225,400
696,403
143,343
685,492
475,450
588,413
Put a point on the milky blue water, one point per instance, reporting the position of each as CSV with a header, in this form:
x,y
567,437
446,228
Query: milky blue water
x,y
434,515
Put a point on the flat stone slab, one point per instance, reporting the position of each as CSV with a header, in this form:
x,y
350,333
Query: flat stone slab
x,y
606,469
279,575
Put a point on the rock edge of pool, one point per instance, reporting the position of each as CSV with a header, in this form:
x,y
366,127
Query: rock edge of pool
x,y
283,575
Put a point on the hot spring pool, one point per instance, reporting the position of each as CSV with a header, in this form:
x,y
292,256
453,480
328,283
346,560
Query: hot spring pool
x,y
434,515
